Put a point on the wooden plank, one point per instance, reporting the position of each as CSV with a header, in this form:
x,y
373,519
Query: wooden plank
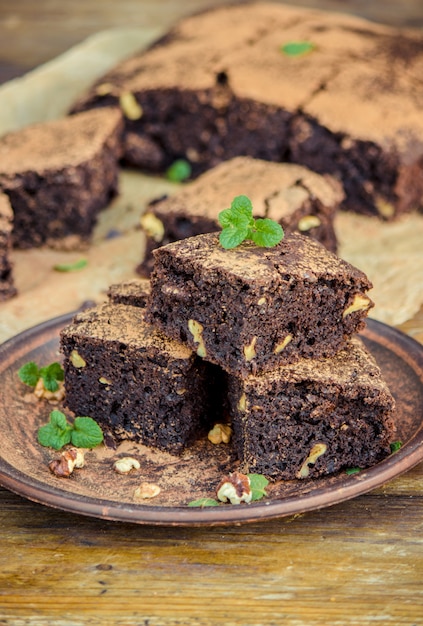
x,y
349,564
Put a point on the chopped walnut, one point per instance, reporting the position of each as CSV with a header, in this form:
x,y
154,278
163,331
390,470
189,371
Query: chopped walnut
x,y
125,465
52,396
146,491
316,451
220,433
235,487
69,460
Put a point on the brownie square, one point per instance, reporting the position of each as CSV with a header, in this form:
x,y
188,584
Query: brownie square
x,y
309,419
252,309
297,198
134,292
135,382
229,82
58,175
7,287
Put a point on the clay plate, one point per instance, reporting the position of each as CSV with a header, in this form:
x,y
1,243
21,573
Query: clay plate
x,y
98,491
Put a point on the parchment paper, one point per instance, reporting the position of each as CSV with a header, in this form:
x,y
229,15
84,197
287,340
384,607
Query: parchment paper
x,y
391,254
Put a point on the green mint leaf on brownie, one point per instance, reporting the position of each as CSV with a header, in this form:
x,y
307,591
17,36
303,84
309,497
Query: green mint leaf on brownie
x,y
258,484
202,502
297,48
71,267
86,433
29,374
238,224
57,433
241,205
267,233
231,236
50,375
352,470
179,171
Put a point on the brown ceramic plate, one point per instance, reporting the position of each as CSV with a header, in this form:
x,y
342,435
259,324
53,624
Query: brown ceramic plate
x,y
96,490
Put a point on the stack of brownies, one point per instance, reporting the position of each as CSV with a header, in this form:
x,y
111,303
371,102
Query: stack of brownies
x,y
264,338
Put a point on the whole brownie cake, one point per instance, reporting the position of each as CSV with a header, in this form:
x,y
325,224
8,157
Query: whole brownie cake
x,y
135,382
290,194
332,92
7,287
307,420
134,292
252,309
59,174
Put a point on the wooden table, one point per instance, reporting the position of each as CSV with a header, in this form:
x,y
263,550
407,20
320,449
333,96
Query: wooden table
x,y
357,563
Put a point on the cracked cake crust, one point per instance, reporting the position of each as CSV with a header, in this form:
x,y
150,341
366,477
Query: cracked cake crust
x,y
294,196
333,110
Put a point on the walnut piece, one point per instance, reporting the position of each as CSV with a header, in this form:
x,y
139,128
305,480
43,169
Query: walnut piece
x,y
317,450
129,105
250,350
308,222
125,465
196,329
359,303
220,433
235,487
280,346
76,359
146,491
153,227
52,396
69,460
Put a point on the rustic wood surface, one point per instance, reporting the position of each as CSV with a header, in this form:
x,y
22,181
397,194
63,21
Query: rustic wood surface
x,y
357,563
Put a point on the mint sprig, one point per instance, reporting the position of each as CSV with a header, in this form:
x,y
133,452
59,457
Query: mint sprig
x,y
203,502
297,48
179,171
83,433
258,484
51,375
71,267
238,225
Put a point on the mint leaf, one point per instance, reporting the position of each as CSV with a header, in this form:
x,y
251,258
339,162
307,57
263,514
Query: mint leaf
x,y
71,267
239,224
86,433
201,502
395,446
179,171
267,233
232,236
29,374
297,48
50,375
258,484
352,470
241,205
83,433
57,433
225,218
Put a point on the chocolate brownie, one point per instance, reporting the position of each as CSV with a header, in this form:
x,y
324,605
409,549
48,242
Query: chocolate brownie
x,y
134,292
7,287
252,309
290,194
135,382
308,420
333,92
59,174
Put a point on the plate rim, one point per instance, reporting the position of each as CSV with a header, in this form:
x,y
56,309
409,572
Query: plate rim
x,y
407,457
